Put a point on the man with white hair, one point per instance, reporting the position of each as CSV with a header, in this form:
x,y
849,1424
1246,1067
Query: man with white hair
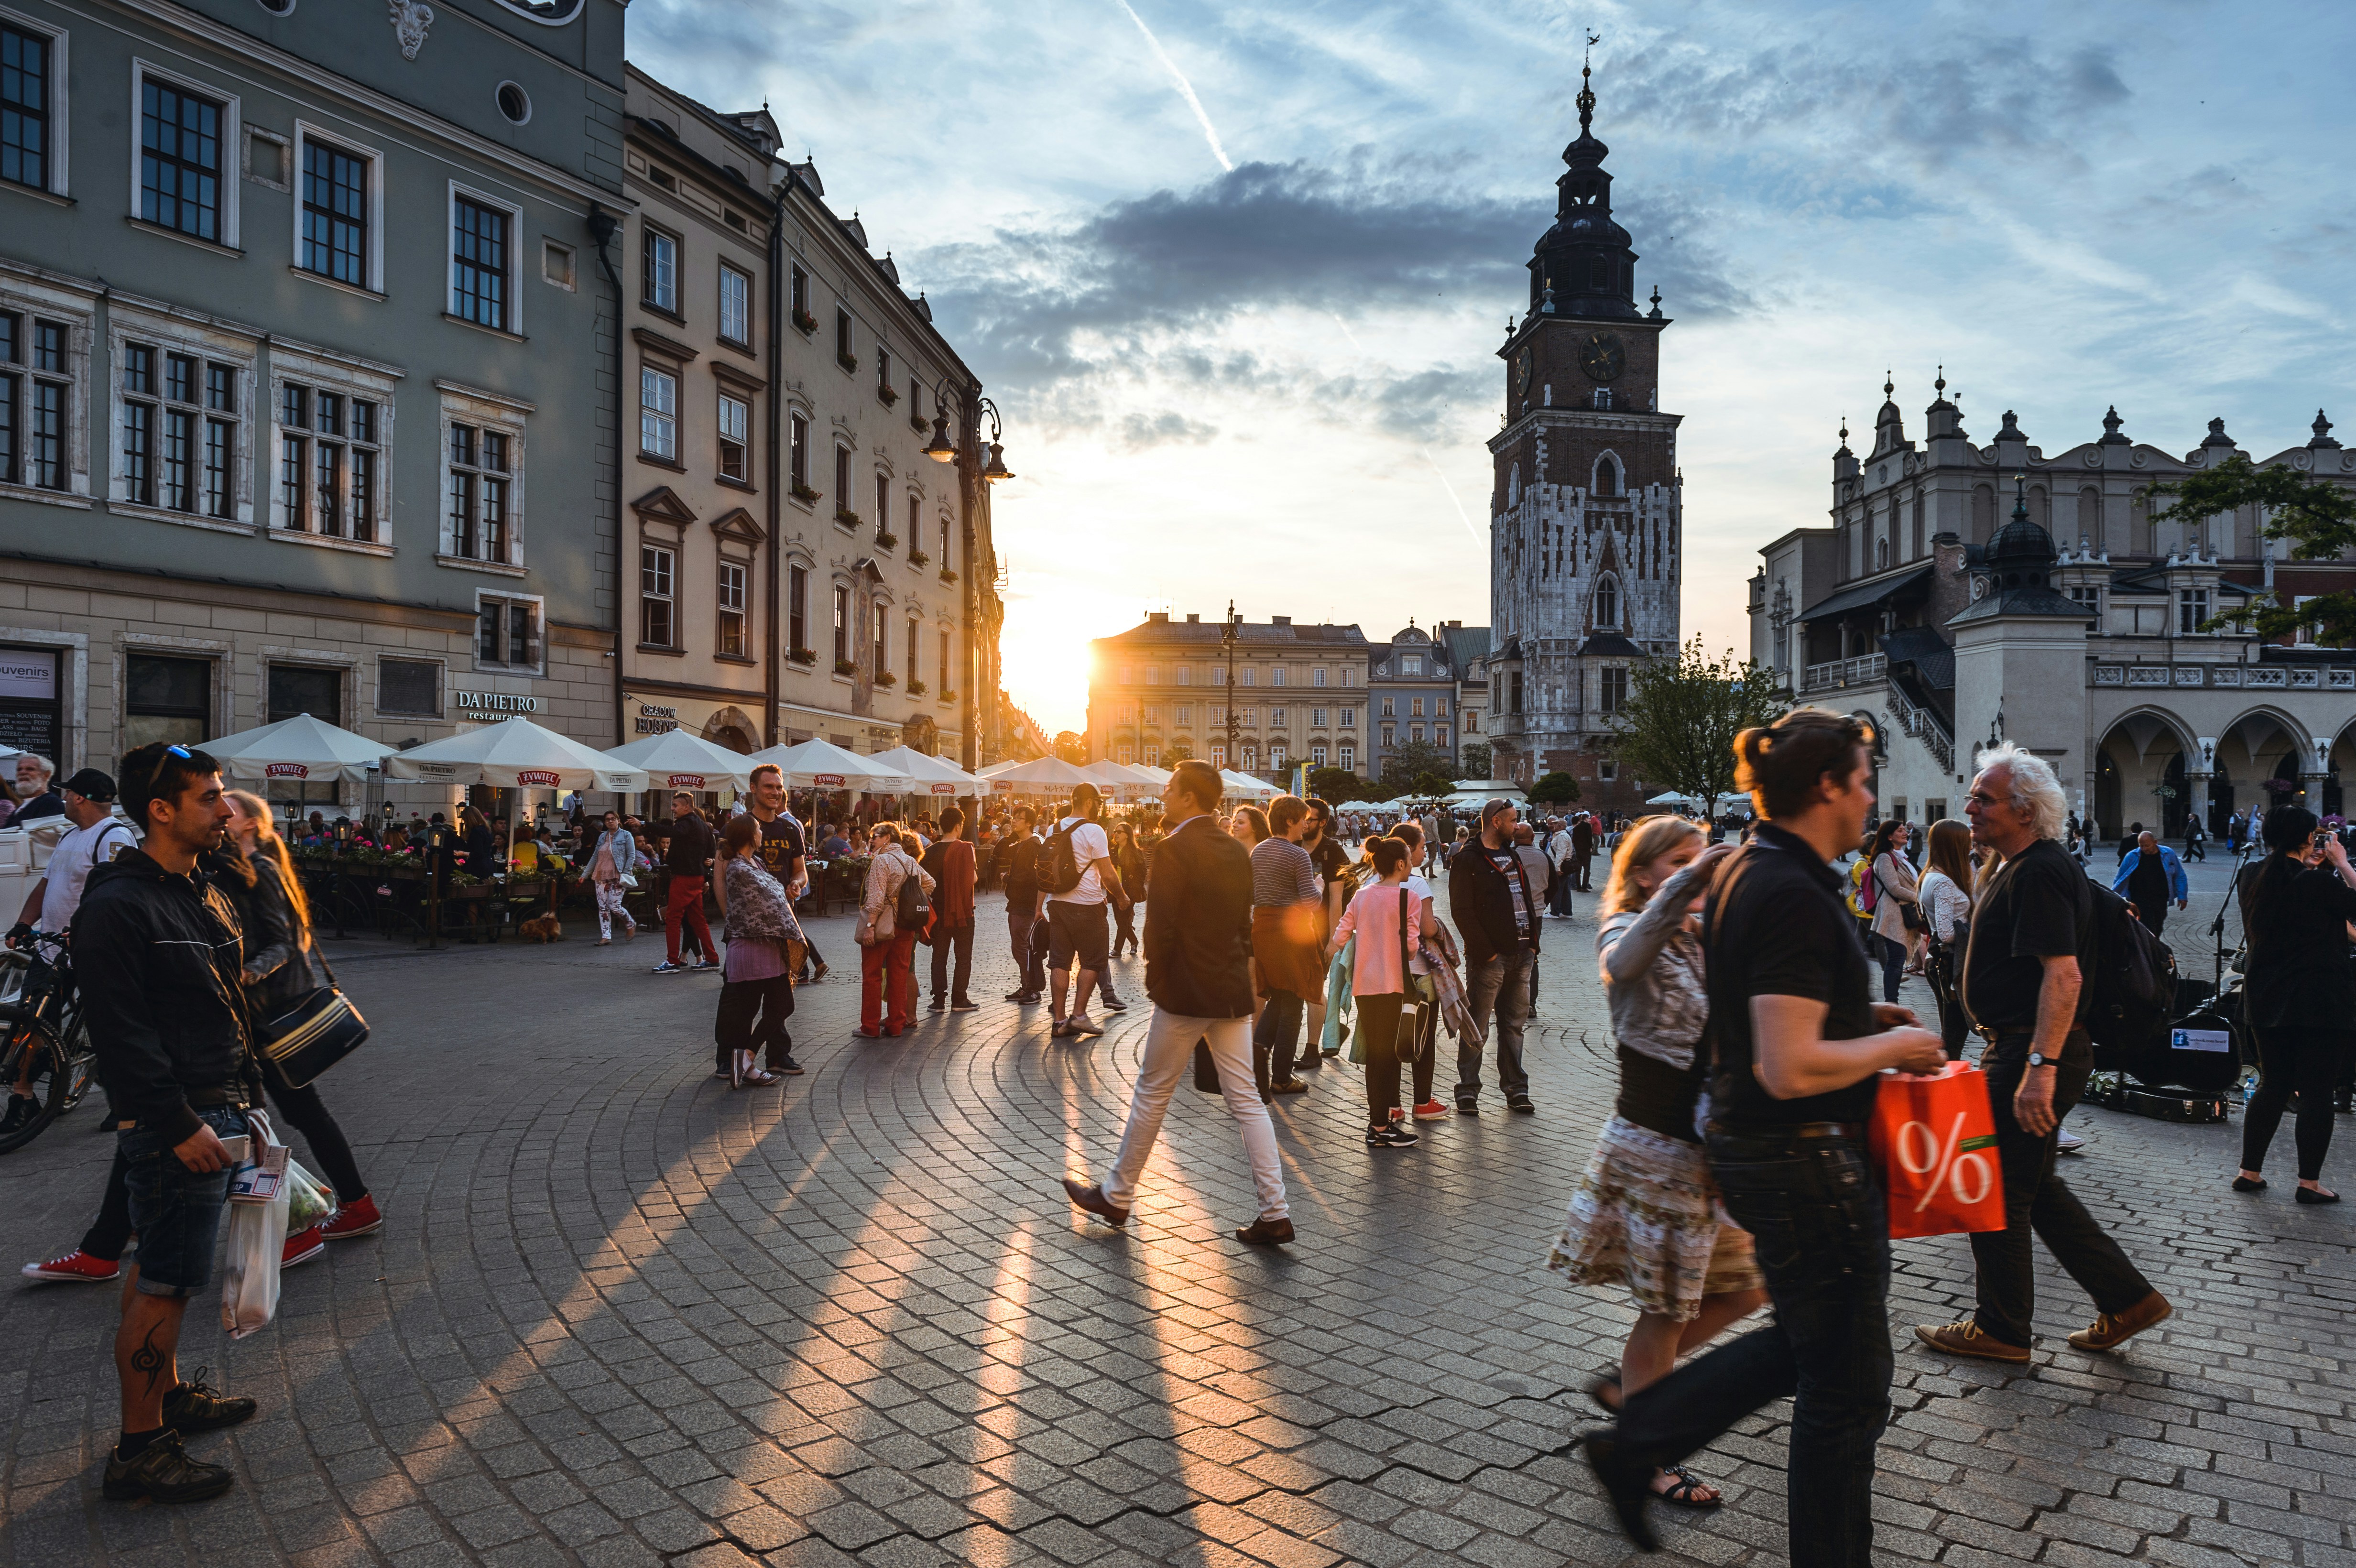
x,y
2023,986
35,796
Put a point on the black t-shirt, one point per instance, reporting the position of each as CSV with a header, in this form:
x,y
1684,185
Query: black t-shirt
x,y
781,845
2037,905
1777,928
2298,971
1333,862
1022,874
690,846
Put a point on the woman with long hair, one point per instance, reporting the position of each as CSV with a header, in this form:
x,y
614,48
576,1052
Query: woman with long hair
x,y
1894,892
1947,909
1646,1214
1129,859
1425,1057
1390,923
2301,1001
283,967
887,991
1248,826
756,981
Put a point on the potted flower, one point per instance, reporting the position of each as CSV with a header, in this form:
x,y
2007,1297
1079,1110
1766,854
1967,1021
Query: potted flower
x,y
804,322
885,677
916,422
886,538
949,575
845,666
884,394
848,361
917,687
948,694
802,491
804,655
846,517
917,558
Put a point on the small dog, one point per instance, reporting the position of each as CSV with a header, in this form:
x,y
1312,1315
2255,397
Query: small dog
x,y
543,929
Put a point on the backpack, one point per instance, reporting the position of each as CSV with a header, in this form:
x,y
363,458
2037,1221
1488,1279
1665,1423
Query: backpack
x,y
2131,991
913,910
1059,865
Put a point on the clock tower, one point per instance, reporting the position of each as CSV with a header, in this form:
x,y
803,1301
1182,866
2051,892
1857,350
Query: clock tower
x,y
1585,523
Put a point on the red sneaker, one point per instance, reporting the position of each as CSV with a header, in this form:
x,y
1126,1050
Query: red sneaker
x,y
357,1218
77,1267
1431,1111
301,1248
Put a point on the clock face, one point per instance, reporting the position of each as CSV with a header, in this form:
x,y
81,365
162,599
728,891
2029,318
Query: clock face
x,y
1602,357
1522,370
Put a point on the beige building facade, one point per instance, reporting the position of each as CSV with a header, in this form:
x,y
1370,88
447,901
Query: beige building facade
x,y
1161,691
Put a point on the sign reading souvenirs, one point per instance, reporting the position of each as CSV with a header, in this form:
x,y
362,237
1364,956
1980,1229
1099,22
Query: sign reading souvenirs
x,y
491,705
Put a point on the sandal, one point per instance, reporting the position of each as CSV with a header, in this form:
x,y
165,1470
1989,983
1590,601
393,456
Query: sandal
x,y
1686,1490
1607,1382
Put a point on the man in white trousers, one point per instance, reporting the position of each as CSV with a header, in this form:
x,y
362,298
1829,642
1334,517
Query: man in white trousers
x,y
1198,974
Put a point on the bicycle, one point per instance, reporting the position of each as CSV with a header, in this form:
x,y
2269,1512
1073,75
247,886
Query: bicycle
x,y
43,1023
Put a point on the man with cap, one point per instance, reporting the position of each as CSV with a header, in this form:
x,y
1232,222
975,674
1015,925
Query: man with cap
x,y
1497,911
97,836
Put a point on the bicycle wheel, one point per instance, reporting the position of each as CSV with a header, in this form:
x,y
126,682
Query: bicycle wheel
x,y
31,1038
81,1068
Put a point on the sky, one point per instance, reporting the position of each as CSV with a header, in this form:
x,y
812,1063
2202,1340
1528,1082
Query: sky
x,y
1236,273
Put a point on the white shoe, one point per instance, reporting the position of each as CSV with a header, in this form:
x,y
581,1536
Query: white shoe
x,y
2067,1142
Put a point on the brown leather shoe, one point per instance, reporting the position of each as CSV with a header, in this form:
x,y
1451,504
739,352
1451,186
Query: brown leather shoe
x,y
1964,1338
1093,1199
1266,1232
2111,1331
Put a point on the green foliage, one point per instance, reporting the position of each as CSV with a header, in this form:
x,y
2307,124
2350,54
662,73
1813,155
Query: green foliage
x,y
1417,768
2319,515
1677,729
1555,789
1175,753
1476,760
1073,747
1336,785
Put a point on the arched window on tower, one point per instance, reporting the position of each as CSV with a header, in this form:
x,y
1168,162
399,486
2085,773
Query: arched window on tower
x,y
1607,604
1602,274
1881,554
1607,476
1982,513
1513,486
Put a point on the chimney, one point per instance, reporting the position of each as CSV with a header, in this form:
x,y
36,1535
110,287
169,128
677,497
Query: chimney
x,y
1280,619
1193,620
1157,617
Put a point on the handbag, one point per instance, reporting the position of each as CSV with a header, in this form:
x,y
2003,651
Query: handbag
x,y
311,1037
1908,912
1934,1139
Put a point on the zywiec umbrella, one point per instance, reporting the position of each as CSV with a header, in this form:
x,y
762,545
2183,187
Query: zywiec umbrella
x,y
301,750
822,764
1242,786
677,760
929,774
1041,776
514,753
1119,781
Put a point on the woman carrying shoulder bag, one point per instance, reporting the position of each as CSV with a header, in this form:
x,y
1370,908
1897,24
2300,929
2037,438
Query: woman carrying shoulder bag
x,y
2301,998
1948,907
888,993
1390,924
613,872
757,981
1897,907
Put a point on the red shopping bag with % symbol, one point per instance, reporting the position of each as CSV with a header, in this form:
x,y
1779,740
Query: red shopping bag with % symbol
x,y
1933,1140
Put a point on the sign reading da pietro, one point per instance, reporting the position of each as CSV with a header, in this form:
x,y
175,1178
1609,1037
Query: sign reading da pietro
x,y
494,705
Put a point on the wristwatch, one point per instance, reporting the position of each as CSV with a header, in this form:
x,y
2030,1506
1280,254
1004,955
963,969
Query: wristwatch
x,y
2039,1059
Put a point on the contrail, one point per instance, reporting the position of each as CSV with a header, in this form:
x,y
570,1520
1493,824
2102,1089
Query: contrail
x,y
1462,514
1185,88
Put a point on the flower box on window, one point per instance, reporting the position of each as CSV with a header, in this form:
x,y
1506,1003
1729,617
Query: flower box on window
x,y
848,361
949,696
916,422
804,655
885,677
917,688
802,491
949,575
805,323
885,395
917,558
887,539
845,666
846,517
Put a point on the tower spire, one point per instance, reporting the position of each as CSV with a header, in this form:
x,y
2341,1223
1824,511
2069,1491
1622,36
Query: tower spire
x,y
1586,88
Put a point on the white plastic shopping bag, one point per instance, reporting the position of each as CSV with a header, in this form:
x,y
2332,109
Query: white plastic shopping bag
x,y
257,1233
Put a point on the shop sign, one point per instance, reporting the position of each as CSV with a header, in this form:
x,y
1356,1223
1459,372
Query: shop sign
x,y
27,674
287,771
657,719
826,780
943,786
540,778
688,781
494,705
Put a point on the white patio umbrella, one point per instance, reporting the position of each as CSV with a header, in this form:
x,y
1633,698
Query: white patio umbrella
x,y
301,750
514,753
1242,786
1039,776
1674,797
678,759
930,775
1121,783
822,765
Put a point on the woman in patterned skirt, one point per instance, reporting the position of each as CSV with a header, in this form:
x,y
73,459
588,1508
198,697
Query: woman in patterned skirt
x,y
1646,1214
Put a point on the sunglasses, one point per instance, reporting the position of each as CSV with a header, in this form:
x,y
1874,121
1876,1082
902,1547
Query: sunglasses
x,y
180,751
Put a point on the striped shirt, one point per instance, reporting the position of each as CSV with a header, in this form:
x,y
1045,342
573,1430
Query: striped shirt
x,y
1282,874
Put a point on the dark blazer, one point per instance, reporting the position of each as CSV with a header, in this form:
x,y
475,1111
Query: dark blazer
x,y
1481,900
1198,924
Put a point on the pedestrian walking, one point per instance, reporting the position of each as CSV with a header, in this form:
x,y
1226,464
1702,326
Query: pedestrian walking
x,y
1582,849
1799,1041
2300,999
1897,904
159,954
1129,859
2032,943
1337,879
887,940
1644,1214
1421,1058
950,862
1021,860
1495,906
756,981
1555,847
1288,929
613,871
1076,872
1198,976
1390,983
687,856
2196,837
2150,876
1946,898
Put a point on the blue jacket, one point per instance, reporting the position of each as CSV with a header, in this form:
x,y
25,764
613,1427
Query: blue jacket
x,y
2177,887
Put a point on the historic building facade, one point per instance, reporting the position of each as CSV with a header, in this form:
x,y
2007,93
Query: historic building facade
x,y
1965,591
1160,691
1586,520
1412,694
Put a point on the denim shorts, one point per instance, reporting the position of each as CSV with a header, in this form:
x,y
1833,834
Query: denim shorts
x,y
1076,931
176,1211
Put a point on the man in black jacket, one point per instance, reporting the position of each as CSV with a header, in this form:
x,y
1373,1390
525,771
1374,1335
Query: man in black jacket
x,y
1022,921
158,951
1496,913
1198,974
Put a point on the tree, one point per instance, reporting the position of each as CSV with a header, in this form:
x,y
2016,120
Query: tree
x,y
1334,785
2319,515
1417,767
1679,725
1477,760
1175,753
1555,789
1073,748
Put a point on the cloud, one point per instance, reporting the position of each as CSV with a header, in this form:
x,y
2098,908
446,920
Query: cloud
x,y
1139,431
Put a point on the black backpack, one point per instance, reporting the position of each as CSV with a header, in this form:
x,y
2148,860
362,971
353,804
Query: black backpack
x,y
913,909
1059,866
2131,989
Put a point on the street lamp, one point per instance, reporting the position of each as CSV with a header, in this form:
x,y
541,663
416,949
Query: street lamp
x,y
996,468
1228,633
941,449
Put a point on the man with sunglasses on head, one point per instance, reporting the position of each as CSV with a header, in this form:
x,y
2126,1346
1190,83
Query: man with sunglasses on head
x,y
159,952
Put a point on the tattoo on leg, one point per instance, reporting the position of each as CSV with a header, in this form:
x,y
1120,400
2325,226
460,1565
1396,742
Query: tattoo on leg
x,y
150,1359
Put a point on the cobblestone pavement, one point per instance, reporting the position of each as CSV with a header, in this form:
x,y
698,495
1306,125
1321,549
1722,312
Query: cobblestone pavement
x,y
620,1314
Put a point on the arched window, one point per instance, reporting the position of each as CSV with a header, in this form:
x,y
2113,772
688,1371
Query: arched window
x,y
1881,554
1513,486
1982,513
1607,476
1607,604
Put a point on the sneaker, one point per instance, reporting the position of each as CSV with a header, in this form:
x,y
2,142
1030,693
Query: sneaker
x,y
23,1110
2067,1142
1398,1135
668,967
1083,1024
77,1267
940,1005
1964,1338
701,964
195,1406
301,1248
357,1218
965,1005
1520,1103
164,1473
1113,1004
1468,1107
1431,1111
2110,1331
788,1068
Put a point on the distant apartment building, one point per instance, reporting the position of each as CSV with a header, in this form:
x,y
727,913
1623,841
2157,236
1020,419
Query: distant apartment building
x,y
1162,690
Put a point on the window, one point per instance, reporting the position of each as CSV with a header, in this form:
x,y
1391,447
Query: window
x,y
1218,756
1316,756
1607,770
1248,753
24,118
658,414
1614,696
478,525
1185,713
883,506
735,305
658,271
797,300
515,104
478,263
1415,707
335,214
1349,719
167,700
297,690
1128,676
658,621
1153,675
796,608
735,420
1607,476
916,660
1317,717
180,160
841,625
842,481
1275,676
1250,674
179,430
2192,609
1350,757
32,410
1275,754
798,453
1276,716
1185,675
1439,734
329,457
1607,604
408,687
1415,734
843,341
943,640
1390,735
1439,708
1317,676
945,556
1349,677
1124,756
1152,756
1390,707
1411,664
732,640
508,631
878,636
1602,397
914,522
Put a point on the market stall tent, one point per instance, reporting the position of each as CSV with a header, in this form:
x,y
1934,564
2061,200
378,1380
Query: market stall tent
x,y
1242,786
1039,776
514,753
822,764
678,759
301,750
929,774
